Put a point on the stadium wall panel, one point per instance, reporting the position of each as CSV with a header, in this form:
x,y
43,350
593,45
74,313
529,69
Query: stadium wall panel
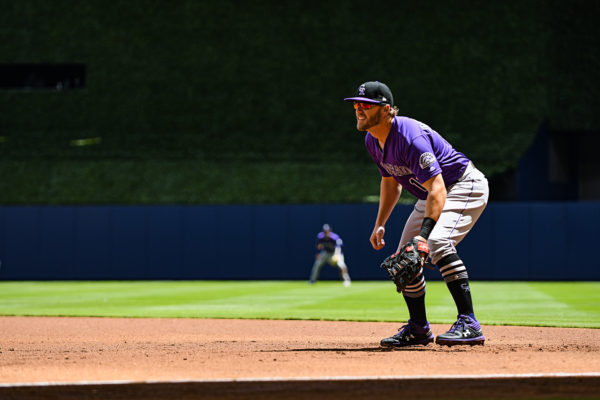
x,y
511,241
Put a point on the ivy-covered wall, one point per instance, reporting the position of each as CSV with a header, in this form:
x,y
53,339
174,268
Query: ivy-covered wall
x,y
241,101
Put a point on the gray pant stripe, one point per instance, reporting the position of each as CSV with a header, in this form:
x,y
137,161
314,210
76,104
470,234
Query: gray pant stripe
x,y
464,209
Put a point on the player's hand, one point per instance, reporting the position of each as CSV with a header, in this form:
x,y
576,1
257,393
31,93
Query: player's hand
x,y
421,239
377,238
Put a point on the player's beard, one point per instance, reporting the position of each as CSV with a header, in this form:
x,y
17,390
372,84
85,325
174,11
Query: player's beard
x,y
369,122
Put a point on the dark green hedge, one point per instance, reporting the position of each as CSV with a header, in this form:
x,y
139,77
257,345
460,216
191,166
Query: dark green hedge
x,y
242,86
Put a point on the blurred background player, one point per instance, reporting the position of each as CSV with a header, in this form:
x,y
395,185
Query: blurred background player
x,y
329,250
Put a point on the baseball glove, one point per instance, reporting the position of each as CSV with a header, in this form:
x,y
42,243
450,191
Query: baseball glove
x,y
404,266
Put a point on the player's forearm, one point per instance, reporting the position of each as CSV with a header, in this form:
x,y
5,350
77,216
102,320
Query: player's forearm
x,y
389,194
434,207
436,198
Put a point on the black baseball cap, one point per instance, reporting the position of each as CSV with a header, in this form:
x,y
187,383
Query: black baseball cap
x,y
373,92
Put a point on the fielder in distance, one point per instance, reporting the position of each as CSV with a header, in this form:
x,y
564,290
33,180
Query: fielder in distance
x,y
329,251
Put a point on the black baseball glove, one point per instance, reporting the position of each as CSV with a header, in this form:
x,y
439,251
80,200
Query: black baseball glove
x,y
404,266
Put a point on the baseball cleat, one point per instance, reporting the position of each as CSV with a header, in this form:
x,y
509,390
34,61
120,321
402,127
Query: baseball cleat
x,y
465,331
410,334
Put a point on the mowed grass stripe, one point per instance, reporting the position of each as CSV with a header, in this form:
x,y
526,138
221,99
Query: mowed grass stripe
x,y
572,304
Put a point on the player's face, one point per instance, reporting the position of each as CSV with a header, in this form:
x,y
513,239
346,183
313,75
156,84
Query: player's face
x,y
367,115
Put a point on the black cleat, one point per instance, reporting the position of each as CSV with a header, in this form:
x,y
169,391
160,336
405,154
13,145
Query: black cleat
x,y
410,334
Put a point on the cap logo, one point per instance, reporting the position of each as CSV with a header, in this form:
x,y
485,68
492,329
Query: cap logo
x,y
361,90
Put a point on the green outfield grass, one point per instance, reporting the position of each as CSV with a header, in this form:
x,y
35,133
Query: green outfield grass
x,y
564,304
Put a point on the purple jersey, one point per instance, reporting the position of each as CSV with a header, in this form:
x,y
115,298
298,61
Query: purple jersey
x,y
329,242
414,153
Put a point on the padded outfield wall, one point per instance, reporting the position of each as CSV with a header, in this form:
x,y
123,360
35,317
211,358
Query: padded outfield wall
x,y
511,241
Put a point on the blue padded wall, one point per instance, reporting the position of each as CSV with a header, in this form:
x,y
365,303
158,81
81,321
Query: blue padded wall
x,y
511,241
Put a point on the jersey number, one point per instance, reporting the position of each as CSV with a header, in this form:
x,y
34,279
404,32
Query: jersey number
x,y
416,183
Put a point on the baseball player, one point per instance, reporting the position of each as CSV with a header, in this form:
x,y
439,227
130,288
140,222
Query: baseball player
x,y
451,195
329,251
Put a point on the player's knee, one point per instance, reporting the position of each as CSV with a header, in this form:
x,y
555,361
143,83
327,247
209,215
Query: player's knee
x,y
439,247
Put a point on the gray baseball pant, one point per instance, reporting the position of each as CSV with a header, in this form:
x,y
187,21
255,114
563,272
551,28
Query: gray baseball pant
x,y
465,201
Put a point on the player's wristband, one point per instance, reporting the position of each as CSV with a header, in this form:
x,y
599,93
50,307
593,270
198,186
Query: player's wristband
x,y
426,227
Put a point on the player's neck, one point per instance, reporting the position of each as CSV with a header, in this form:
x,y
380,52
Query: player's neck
x,y
382,130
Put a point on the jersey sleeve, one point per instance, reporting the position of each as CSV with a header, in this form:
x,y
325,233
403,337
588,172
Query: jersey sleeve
x,y
422,160
335,238
318,239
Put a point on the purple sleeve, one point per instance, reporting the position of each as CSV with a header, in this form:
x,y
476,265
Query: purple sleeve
x,y
336,238
421,158
319,238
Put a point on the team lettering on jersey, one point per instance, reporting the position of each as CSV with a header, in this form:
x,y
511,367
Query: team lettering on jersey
x,y
396,170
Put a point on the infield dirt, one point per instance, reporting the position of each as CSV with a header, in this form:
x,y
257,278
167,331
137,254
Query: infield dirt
x,y
49,349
